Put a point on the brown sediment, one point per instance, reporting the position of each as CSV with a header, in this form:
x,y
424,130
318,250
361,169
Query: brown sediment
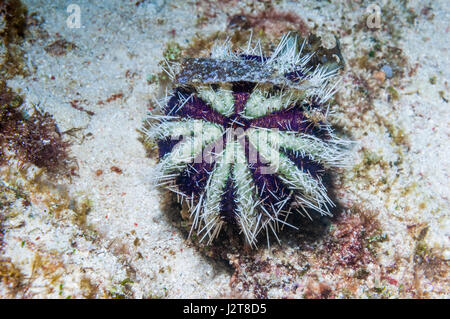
x,y
270,21
34,140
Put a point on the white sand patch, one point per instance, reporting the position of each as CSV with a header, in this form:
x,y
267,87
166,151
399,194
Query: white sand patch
x,y
136,245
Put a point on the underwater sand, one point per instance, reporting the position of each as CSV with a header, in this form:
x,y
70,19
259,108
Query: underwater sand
x,y
394,226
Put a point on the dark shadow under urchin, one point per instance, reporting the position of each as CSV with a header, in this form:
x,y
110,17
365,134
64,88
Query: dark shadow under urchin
x,y
230,242
312,231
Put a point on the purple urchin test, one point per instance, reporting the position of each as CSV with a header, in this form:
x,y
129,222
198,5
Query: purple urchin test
x,y
244,138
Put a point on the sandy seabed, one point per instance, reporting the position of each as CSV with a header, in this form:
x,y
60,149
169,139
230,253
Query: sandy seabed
x,y
390,240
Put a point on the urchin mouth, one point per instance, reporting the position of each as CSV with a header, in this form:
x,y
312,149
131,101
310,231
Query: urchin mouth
x,y
236,121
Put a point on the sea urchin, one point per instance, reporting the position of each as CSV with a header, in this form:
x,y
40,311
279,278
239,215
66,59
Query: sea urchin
x,y
244,138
